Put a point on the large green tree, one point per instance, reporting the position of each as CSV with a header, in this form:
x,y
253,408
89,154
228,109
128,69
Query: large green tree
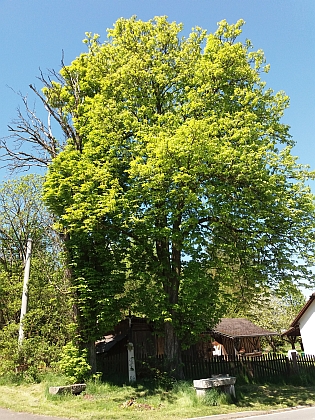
x,y
179,177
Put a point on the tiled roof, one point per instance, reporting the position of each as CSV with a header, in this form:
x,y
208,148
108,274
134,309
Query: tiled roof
x,y
240,327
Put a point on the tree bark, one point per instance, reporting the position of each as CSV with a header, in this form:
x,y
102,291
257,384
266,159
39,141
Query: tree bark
x,y
172,351
92,356
171,271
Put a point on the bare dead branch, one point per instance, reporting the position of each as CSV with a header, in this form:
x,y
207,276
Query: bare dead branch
x,y
32,142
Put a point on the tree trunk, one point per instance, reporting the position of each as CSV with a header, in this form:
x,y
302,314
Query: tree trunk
x,y
92,356
172,351
170,273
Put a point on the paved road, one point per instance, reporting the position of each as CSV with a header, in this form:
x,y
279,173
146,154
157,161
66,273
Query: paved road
x,y
290,414
300,414
305,413
11,415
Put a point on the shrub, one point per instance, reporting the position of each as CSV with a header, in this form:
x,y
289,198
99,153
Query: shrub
x,y
73,363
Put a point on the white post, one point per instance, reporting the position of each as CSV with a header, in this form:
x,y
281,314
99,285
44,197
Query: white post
x,y
131,363
25,288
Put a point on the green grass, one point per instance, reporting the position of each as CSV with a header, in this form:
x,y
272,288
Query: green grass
x,y
103,401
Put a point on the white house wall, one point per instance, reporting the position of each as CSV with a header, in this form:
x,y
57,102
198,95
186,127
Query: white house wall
x,y
307,329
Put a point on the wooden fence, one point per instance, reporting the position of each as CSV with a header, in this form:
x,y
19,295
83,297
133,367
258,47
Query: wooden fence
x,y
264,367
261,367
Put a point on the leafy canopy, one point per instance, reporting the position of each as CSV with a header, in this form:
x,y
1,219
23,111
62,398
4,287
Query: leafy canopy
x,y
181,170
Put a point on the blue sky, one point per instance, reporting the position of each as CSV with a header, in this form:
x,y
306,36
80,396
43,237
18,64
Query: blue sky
x,y
35,32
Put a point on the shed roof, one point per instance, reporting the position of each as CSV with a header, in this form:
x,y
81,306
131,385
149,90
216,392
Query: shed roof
x,y
240,327
109,341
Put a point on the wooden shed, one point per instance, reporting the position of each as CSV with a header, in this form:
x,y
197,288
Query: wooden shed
x,y
132,329
239,336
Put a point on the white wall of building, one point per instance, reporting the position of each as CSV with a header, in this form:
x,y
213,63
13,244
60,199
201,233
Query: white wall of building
x,y
307,329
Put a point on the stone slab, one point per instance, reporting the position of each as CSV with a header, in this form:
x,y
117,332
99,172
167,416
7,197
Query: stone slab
x,y
225,382
214,382
67,389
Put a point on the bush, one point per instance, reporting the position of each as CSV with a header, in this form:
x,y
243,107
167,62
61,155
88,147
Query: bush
x,y
30,359
73,363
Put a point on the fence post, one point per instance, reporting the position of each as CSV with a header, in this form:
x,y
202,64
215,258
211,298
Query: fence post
x,y
131,363
294,362
287,362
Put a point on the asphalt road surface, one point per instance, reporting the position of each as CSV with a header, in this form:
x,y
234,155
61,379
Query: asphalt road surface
x,y
297,414
305,413
11,415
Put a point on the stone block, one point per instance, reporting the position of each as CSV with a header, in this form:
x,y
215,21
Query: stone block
x,y
225,382
67,389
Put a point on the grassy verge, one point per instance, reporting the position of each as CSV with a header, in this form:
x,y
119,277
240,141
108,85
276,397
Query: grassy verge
x,y
103,401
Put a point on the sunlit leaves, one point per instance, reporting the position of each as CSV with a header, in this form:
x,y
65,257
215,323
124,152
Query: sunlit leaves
x,y
185,175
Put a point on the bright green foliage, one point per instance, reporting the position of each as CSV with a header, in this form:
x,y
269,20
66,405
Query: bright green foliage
x,y
181,175
73,363
47,323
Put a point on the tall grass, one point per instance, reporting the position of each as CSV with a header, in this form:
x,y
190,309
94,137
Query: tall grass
x,y
145,400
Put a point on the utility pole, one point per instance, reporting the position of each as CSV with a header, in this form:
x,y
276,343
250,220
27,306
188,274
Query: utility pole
x,y
25,288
